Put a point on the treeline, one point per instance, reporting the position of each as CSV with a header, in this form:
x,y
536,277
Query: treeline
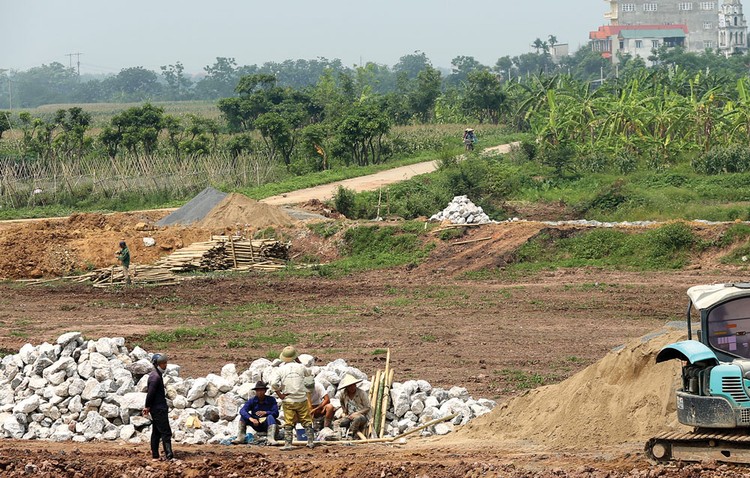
x,y
57,84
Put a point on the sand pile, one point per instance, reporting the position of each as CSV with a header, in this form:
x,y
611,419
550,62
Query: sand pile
x,y
239,210
624,397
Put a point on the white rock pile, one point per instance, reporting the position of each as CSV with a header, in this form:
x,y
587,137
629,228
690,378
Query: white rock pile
x,y
462,211
84,390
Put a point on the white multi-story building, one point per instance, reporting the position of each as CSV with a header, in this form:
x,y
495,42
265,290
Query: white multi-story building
x,y
715,25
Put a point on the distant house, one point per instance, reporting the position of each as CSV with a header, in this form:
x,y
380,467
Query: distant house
x,y
714,25
636,40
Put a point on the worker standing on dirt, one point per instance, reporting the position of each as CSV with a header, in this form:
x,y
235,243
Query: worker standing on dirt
x,y
289,385
355,404
123,255
156,407
261,413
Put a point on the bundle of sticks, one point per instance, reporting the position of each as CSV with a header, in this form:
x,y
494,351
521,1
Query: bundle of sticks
x,y
139,274
380,395
203,256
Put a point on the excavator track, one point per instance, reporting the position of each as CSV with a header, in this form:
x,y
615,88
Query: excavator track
x,y
701,445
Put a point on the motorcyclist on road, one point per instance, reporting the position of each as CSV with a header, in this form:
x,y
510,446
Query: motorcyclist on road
x,y
469,139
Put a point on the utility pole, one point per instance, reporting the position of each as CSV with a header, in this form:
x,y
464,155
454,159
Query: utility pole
x,y
78,60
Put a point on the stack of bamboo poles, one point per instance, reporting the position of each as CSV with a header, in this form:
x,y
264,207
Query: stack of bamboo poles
x,y
380,394
244,251
203,256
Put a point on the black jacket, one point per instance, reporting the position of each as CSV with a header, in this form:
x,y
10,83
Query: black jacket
x,y
156,399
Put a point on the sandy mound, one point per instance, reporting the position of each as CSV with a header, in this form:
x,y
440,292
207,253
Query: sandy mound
x,y
237,210
622,398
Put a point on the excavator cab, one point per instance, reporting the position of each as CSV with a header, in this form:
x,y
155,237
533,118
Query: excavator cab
x,y
715,393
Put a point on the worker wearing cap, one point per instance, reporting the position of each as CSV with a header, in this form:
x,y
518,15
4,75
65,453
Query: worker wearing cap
x,y
156,406
355,404
289,385
123,255
261,413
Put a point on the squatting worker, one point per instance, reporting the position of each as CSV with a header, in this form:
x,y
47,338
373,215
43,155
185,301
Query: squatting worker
x,y
289,385
261,413
355,404
156,406
322,409
123,255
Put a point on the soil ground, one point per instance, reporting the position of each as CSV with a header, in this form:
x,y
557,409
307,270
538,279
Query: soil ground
x,y
496,338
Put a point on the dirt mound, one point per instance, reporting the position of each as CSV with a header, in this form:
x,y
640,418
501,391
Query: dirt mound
x,y
488,246
57,247
237,211
622,398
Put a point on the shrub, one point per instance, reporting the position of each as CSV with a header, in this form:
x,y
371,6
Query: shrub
x,y
344,201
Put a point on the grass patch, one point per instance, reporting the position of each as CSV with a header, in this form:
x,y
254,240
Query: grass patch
x,y
180,334
379,352
280,338
522,380
236,344
378,247
666,247
428,338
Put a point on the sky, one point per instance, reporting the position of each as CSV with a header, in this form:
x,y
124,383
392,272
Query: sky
x,y
112,35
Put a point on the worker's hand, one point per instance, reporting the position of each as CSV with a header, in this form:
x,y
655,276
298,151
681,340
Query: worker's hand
x,y
261,413
146,411
254,421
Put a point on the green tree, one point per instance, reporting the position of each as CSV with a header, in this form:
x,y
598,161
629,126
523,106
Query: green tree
x,y
484,96
361,133
411,65
4,122
135,129
135,84
425,93
179,84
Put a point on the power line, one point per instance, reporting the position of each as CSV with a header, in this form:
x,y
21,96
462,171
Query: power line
x,y
78,60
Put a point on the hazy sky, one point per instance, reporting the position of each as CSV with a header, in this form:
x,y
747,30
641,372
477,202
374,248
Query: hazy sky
x,y
111,35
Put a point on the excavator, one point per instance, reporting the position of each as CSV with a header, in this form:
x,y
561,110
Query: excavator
x,y
715,394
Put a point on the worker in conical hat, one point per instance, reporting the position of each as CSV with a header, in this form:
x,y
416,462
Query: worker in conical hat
x,y
355,405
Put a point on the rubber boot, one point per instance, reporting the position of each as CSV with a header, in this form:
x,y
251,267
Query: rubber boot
x,y
310,436
168,449
288,437
271,435
241,434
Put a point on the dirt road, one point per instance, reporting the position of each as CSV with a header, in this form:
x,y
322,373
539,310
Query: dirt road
x,y
365,183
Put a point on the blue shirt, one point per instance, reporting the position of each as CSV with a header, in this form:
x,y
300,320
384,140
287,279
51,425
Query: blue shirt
x,y
253,406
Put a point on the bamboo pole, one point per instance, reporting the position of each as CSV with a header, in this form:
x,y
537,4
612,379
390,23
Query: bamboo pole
x,y
471,241
386,401
373,398
234,257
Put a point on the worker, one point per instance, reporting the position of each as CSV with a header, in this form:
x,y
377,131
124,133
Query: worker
x,y
469,139
261,413
156,407
123,255
288,383
322,409
355,404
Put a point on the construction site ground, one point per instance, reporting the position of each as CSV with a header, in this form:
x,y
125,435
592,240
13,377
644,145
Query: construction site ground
x,y
497,337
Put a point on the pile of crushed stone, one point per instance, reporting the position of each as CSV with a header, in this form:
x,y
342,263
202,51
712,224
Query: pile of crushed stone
x,y
624,397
